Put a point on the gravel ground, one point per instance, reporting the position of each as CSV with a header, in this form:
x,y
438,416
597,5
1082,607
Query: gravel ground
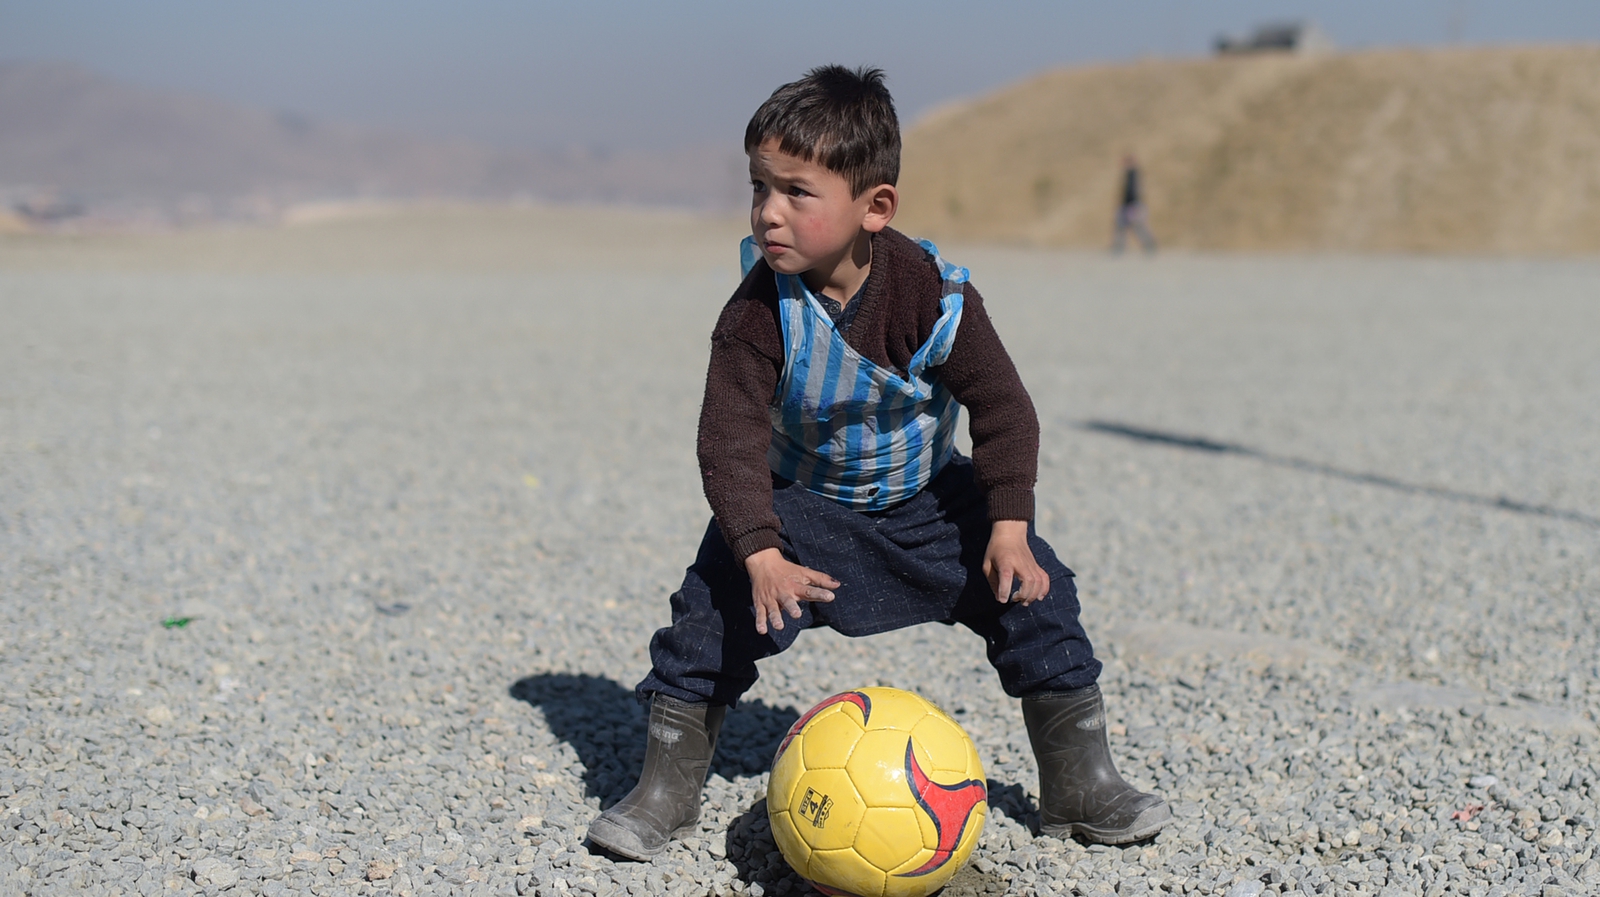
x,y
420,485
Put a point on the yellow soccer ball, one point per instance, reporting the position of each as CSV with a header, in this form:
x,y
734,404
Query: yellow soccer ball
x,y
877,793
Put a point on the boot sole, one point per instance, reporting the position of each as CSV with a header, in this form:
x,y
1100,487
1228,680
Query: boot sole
x,y
1146,825
608,835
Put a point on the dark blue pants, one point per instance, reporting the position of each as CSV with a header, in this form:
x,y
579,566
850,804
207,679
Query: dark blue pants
x,y
919,562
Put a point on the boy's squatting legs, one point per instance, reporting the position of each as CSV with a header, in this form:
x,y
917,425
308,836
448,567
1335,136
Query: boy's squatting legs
x,y
919,562
709,654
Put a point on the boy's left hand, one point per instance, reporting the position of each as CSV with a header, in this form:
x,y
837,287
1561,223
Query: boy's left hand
x,y
1009,556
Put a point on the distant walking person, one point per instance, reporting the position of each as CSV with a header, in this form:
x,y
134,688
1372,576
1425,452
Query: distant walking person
x,y
1131,213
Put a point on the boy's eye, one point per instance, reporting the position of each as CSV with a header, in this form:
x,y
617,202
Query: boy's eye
x,y
798,191
757,186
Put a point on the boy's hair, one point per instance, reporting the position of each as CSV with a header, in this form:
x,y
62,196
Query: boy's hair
x,y
841,119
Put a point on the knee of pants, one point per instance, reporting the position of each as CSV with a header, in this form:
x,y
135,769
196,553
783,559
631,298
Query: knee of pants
x,y
1052,618
711,649
1041,646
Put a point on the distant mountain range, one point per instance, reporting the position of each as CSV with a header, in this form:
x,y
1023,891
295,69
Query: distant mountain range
x,y
76,143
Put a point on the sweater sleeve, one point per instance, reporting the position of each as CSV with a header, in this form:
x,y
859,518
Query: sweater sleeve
x,y
1002,420
736,428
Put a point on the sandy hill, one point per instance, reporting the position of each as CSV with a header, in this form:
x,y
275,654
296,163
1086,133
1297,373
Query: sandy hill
x,y
98,142
1460,150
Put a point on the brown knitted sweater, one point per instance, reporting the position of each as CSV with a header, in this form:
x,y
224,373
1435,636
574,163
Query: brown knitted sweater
x,y
899,306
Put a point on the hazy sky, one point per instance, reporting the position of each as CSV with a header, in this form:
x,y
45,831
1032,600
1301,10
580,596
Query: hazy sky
x,y
601,73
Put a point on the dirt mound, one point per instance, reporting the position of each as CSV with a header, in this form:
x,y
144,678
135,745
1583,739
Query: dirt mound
x,y
1461,150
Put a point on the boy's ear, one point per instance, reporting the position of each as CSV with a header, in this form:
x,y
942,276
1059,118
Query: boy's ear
x,y
882,202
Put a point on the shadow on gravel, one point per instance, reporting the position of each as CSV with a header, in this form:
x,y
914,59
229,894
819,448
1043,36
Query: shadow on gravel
x,y
1202,444
603,723
1012,800
753,853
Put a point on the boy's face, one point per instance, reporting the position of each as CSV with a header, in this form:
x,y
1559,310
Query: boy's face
x,y
803,216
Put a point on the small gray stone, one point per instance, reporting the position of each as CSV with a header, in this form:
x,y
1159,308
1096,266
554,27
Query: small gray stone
x,y
212,871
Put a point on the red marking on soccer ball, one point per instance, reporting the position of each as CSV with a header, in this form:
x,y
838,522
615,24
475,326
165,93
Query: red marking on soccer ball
x,y
949,806
861,701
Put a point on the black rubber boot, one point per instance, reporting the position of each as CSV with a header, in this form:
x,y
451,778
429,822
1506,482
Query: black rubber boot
x,y
666,802
1080,791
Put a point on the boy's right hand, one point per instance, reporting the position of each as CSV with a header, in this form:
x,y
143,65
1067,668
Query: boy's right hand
x,y
777,586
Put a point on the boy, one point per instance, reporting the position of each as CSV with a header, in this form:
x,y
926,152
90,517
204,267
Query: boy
x,y
826,450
